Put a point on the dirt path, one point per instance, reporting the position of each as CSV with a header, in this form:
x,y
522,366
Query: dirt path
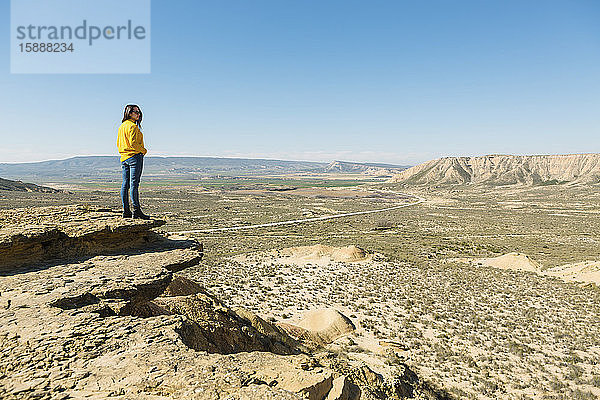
x,y
298,221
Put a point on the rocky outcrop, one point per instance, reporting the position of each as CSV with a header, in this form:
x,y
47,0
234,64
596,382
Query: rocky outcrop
x,y
505,170
274,334
30,236
114,325
18,186
180,286
343,389
63,327
211,326
301,375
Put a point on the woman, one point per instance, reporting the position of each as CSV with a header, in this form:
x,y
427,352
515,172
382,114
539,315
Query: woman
x,y
130,143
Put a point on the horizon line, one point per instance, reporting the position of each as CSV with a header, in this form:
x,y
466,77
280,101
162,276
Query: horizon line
x,y
197,156
307,161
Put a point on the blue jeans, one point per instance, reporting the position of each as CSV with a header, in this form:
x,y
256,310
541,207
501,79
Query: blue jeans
x,y
132,172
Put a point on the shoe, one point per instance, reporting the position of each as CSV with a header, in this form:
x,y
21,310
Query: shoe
x,y
127,214
138,214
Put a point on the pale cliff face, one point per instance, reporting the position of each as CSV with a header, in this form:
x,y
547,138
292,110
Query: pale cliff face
x,y
505,170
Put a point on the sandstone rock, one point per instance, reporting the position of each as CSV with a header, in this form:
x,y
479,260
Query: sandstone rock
x,y
343,389
181,286
210,326
29,236
272,331
55,347
365,377
46,327
184,261
395,382
505,170
317,385
116,280
263,392
297,375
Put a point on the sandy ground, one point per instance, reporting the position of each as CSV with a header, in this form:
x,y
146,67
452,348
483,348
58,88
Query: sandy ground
x,y
513,261
583,272
586,272
457,326
317,255
327,257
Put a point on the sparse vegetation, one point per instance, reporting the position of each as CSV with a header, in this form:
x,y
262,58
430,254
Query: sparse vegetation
x,y
477,332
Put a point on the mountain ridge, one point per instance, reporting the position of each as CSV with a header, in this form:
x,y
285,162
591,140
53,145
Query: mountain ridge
x,y
108,167
505,169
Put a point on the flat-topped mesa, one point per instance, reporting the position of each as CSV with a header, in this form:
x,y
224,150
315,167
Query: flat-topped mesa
x,y
505,170
30,236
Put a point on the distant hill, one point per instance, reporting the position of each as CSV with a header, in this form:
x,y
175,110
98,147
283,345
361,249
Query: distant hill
x,y
109,168
364,168
505,170
18,186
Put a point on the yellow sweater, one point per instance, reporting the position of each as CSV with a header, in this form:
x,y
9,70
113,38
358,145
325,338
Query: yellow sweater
x,y
130,140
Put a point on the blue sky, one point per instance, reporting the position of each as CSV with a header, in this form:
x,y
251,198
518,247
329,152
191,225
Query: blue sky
x,y
378,81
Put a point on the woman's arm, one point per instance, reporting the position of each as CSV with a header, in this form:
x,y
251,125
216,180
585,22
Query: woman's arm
x,y
137,140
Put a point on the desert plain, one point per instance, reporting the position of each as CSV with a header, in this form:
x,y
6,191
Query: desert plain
x,y
485,292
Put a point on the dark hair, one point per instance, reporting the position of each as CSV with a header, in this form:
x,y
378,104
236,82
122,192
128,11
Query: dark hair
x,y
127,114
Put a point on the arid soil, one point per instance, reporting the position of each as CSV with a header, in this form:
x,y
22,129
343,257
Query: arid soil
x,y
97,310
425,286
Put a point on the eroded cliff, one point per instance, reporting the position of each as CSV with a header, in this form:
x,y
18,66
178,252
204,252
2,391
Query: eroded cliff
x,y
505,170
